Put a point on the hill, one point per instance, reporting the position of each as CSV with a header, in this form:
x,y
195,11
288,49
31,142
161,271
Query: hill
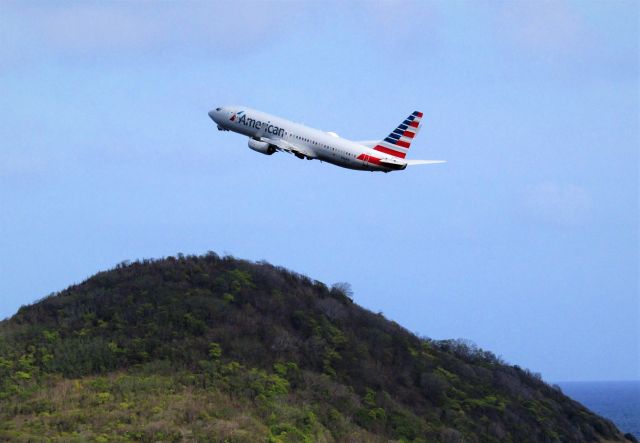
x,y
218,349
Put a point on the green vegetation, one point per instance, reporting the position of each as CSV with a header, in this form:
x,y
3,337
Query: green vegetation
x,y
218,349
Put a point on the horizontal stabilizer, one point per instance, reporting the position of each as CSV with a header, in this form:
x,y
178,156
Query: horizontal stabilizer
x,y
424,162
392,161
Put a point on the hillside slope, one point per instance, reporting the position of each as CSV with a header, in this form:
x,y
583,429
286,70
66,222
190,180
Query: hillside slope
x,y
211,348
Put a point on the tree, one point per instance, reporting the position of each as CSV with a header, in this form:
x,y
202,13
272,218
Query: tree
x,y
342,288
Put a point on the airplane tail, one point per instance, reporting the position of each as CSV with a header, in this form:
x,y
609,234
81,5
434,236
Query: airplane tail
x,y
399,141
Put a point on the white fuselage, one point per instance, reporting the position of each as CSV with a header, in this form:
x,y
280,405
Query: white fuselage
x,y
312,143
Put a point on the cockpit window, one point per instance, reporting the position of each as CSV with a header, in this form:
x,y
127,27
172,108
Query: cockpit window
x,y
218,109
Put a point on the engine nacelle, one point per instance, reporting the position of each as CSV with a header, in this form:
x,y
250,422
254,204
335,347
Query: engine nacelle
x,y
261,147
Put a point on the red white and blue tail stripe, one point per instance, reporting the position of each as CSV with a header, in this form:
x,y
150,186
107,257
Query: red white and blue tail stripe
x,y
398,142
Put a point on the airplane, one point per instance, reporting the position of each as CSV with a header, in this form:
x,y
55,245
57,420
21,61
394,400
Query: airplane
x,y
268,134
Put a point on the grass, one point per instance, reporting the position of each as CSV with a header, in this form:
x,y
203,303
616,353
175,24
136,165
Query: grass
x,y
126,406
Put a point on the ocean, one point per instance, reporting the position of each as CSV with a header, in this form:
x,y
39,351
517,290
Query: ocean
x,y
619,401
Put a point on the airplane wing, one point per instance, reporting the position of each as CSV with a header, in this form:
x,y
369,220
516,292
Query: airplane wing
x,y
282,145
424,162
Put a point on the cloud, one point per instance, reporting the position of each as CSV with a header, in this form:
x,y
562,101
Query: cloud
x,y
122,29
560,205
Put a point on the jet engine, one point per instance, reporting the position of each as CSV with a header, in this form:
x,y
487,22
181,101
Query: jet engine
x,y
261,147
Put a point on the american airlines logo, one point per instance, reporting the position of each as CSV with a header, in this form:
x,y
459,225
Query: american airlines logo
x,y
241,118
235,114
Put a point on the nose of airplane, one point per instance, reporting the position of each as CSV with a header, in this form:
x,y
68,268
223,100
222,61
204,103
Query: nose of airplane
x,y
212,114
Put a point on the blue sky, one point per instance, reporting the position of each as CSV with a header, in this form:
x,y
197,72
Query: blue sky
x,y
526,242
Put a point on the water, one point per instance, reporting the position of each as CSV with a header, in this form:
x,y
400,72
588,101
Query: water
x,y
619,401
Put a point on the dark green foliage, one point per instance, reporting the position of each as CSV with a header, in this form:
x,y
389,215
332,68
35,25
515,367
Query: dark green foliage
x,y
270,339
